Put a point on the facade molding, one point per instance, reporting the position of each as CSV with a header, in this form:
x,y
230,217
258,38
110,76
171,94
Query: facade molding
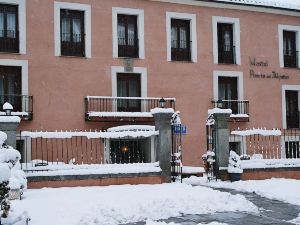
x,y
87,25
236,36
288,88
282,28
193,32
140,20
238,74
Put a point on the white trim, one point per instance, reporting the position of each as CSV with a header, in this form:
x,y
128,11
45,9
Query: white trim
x,y
87,25
140,20
282,28
239,75
193,32
120,69
24,65
236,36
233,6
21,22
287,88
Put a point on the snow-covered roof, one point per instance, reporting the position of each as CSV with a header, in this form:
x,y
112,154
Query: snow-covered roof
x,y
283,4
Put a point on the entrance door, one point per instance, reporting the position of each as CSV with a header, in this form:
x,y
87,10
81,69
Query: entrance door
x,y
292,109
10,86
228,92
129,85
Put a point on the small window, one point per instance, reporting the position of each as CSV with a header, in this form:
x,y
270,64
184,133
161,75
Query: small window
x,y
9,35
129,85
72,33
292,109
127,36
226,49
10,86
292,150
290,52
180,40
228,92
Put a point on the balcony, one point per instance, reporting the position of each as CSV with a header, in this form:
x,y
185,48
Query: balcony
x,y
23,105
129,49
290,59
182,53
226,54
72,45
240,109
9,41
122,109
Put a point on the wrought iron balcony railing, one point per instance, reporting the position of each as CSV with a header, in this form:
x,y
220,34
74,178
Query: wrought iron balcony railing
x,y
240,108
22,105
102,106
181,52
226,54
128,49
290,59
9,41
72,45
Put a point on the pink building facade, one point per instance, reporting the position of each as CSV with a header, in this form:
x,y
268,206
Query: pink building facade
x,y
189,52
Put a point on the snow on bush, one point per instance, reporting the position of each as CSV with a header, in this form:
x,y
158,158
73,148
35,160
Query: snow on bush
x,y
235,165
3,137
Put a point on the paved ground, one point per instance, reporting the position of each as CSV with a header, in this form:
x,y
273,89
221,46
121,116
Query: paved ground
x,y
272,212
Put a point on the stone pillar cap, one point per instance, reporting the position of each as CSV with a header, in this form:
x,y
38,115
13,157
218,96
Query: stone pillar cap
x,y
219,111
162,110
10,119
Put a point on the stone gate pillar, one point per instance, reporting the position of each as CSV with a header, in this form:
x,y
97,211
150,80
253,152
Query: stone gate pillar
x,y
222,134
162,119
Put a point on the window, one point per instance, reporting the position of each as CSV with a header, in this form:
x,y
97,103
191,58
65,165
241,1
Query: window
x,y
226,40
129,85
290,52
9,35
292,109
226,49
128,32
127,36
180,40
72,33
181,37
72,29
228,91
11,86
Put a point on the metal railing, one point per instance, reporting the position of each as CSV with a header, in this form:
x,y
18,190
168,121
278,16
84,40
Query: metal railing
x,y
290,58
227,54
124,104
72,44
238,107
285,144
22,105
181,52
9,41
128,47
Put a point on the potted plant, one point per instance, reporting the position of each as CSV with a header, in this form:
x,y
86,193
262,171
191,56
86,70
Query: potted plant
x,y
234,168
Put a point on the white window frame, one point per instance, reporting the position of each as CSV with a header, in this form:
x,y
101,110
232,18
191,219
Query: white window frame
x,y
21,22
140,26
236,37
87,25
240,77
193,32
288,88
282,28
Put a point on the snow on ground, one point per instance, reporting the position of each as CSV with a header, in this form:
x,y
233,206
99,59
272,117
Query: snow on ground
x,y
286,190
125,204
150,222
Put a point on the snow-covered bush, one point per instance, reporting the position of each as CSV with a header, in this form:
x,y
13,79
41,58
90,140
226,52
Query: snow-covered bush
x,y
4,189
235,165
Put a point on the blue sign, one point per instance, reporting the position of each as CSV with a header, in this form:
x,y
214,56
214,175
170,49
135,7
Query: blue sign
x,y
177,129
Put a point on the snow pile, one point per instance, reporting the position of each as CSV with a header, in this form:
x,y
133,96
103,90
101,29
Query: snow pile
x,y
162,110
234,163
9,155
68,169
4,172
218,110
7,106
286,190
288,4
192,170
255,163
126,203
3,138
132,128
90,134
150,222
263,132
119,114
10,119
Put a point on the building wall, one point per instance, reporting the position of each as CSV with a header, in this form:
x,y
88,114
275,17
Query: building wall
x,y
59,84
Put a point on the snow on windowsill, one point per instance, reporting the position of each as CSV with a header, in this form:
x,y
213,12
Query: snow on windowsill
x,y
218,111
10,119
119,114
15,113
239,116
162,110
82,169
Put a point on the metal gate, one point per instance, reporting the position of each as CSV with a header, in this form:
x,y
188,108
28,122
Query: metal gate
x,y
176,154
